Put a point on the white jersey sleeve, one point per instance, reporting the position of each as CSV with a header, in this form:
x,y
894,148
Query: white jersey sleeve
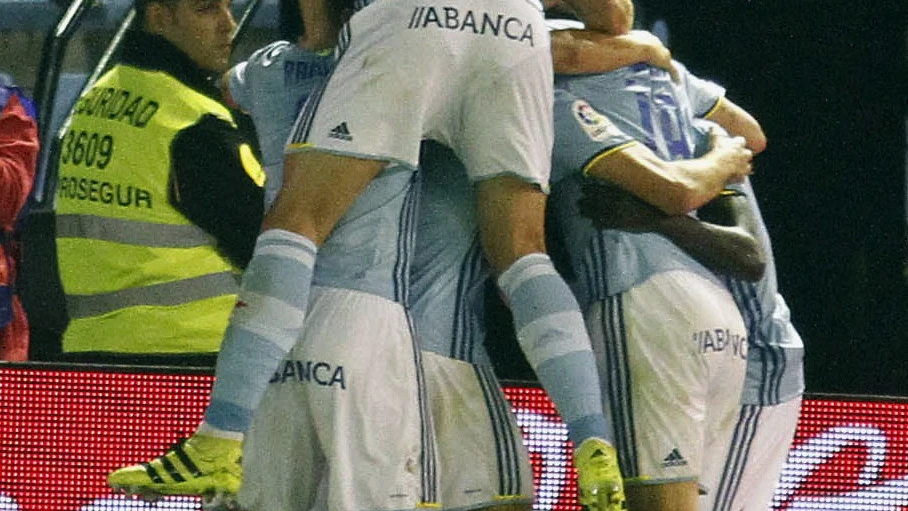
x,y
238,86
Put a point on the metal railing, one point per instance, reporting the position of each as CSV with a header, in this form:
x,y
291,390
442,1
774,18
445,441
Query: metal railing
x,y
54,49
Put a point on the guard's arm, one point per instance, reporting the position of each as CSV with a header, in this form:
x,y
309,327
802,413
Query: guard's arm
x,y
216,182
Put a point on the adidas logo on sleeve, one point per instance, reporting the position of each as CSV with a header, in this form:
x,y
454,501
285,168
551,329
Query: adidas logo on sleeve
x,y
341,132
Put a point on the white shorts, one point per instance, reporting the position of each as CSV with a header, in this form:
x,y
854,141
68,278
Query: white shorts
x,y
672,355
475,75
344,423
759,448
482,458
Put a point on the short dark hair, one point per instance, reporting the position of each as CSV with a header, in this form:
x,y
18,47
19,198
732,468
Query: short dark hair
x,y
290,22
561,12
141,7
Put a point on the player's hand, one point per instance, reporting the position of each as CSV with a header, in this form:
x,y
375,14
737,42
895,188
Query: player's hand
x,y
732,155
610,207
657,54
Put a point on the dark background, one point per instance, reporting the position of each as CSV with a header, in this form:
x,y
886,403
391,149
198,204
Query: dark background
x,y
827,80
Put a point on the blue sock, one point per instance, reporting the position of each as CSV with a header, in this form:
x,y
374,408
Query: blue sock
x,y
553,337
266,322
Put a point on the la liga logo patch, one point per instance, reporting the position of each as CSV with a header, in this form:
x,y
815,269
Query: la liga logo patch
x,y
596,125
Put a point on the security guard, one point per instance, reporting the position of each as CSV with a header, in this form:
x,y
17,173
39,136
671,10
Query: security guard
x,y
160,193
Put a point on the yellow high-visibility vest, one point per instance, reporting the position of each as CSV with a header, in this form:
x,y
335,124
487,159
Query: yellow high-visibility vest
x,y
139,277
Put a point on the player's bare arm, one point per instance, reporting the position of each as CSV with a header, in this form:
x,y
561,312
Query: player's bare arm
x,y
587,51
323,19
738,122
724,239
675,187
729,250
613,17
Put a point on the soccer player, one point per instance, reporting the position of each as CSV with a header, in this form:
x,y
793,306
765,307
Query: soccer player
x,y
490,100
774,381
447,305
362,264
484,461
484,464
670,340
773,387
274,83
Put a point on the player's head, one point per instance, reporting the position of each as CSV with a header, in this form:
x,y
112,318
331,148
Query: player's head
x,y
613,17
319,21
558,9
290,21
201,29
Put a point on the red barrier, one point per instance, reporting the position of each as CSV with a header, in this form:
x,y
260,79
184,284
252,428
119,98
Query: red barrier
x,y
63,429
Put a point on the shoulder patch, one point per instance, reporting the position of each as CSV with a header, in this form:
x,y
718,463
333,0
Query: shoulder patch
x,y
270,53
251,165
596,125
